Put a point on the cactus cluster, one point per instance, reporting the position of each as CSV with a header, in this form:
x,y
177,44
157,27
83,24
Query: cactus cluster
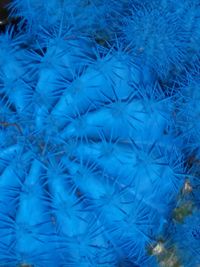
x,y
99,134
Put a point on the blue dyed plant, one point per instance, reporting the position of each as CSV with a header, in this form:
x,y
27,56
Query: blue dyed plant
x,y
98,122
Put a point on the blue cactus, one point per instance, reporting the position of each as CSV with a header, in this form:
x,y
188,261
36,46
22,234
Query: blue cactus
x,y
187,239
95,147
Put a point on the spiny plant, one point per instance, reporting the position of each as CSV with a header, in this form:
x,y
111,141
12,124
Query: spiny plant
x,y
186,237
163,34
94,147
188,112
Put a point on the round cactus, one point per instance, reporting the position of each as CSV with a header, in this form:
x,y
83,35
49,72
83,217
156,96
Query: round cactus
x,y
94,146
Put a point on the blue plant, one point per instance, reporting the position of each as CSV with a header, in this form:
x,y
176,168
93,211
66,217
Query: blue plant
x,y
188,112
157,36
187,237
95,147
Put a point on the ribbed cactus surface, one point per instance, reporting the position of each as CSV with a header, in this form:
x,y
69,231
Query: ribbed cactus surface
x,y
99,134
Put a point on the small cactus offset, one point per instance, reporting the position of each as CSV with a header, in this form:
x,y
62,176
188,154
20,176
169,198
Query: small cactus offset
x,y
99,133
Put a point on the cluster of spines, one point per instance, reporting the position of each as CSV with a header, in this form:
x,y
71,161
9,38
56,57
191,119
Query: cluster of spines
x,y
94,131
